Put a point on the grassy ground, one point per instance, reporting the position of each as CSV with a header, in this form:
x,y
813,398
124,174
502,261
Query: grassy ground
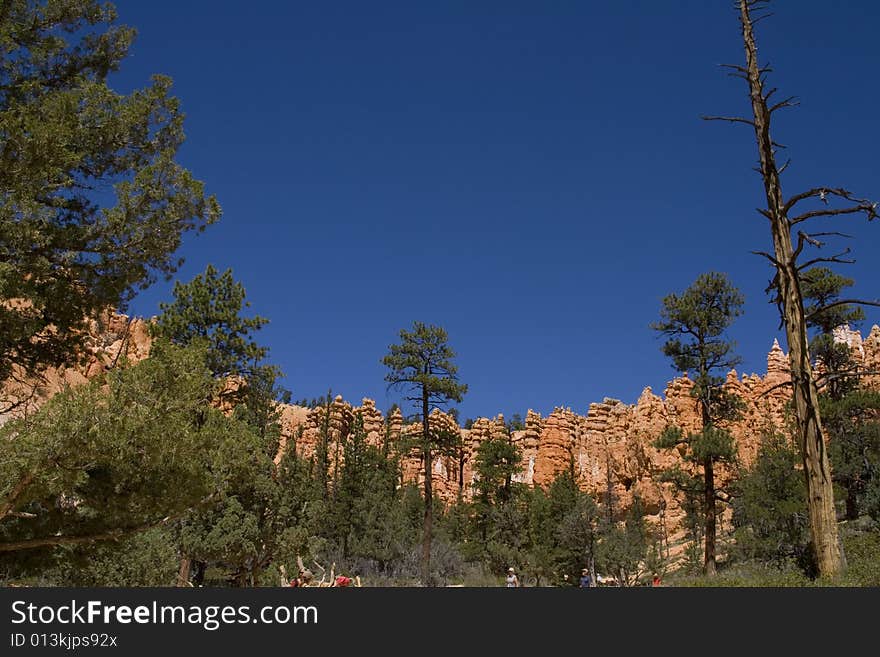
x,y
862,549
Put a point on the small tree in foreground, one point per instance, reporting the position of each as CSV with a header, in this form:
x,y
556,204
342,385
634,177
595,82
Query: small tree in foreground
x,y
768,507
422,364
624,550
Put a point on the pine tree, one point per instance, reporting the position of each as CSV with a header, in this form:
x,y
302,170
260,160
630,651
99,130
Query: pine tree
x,y
496,463
821,289
849,409
68,248
208,309
695,323
623,551
422,364
96,463
768,505
242,528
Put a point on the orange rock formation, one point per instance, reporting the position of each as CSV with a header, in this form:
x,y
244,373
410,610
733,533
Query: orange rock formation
x,y
609,448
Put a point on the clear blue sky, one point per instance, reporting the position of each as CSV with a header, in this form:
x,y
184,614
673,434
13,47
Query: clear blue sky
x,y
533,176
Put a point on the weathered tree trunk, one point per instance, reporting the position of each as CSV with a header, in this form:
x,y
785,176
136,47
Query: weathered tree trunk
x,y
183,573
429,494
817,470
709,524
709,494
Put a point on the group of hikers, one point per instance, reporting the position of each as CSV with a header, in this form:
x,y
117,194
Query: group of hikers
x,y
305,578
585,582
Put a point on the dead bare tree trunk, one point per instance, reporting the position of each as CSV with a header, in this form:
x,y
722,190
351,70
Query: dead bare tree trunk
x,y
817,470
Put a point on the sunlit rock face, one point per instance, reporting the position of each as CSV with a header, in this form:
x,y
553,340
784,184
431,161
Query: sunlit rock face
x,y
111,339
609,448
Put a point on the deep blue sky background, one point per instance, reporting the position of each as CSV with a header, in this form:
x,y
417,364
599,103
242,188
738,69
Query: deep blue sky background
x,y
533,176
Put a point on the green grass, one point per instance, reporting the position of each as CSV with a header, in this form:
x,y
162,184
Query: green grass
x,y
862,549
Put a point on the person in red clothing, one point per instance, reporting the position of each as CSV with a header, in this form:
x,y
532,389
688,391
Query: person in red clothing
x,y
656,580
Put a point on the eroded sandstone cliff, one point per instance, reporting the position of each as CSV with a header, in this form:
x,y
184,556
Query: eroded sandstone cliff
x,y
609,448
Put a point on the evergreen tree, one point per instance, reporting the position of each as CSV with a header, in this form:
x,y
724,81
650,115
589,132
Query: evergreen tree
x,y
576,531
516,423
496,512
92,202
148,558
496,462
111,458
821,289
562,529
380,536
695,323
242,530
208,310
768,505
849,410
623,551
258,518
422,364
853,425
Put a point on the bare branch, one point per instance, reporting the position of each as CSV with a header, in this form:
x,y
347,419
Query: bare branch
x,y
112,535
810,238
791,101
821,193
831,259
853,373
842,302
868,208
736,71
731,119
757,20
831,233
768,256
776,387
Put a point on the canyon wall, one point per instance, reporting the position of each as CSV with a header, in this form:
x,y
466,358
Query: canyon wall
x,y
111,339
609,448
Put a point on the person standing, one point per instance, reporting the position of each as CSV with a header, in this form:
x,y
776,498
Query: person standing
x,y
512,580
586,581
